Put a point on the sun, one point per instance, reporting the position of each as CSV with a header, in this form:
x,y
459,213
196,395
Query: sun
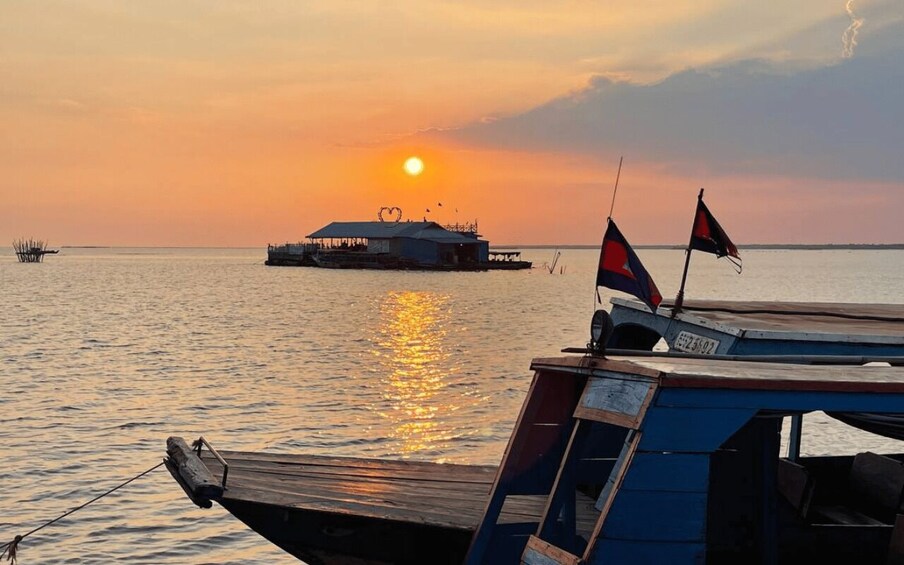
x,y
413,166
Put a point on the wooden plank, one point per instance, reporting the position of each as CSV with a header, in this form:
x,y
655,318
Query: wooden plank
x,y
539,552
657,516
694,430
845,515
196,476
399,495
877,482
674,472
621,420
795,485
712,373
592,366
428,474
606,499
377,466
621,396
462,511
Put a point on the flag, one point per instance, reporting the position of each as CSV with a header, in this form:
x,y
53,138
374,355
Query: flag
x,y
708,235
620,269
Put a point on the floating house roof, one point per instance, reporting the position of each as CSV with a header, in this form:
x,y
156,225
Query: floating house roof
x,y
388,230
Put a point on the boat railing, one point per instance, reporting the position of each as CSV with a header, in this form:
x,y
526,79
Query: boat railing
x,y
199,443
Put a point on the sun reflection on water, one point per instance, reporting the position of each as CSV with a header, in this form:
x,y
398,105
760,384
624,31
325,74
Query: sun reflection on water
x,y
414,359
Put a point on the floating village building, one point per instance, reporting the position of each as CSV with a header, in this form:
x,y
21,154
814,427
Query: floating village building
x,y
393,245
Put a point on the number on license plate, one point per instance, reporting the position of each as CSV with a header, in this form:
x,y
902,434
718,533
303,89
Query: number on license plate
x,y
693,343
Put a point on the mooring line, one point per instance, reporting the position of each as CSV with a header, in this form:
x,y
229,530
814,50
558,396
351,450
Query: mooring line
x,y
11,548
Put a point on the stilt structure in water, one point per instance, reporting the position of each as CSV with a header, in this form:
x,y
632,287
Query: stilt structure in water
x,y
32,250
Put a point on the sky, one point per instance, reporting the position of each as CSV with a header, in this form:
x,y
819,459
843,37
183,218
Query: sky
x,y
226,123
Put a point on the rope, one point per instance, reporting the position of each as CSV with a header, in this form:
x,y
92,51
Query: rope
x,y
10,548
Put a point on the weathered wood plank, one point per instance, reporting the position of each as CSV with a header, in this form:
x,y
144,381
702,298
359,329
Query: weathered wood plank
x,y
621,396
877,482
438,480
712,373
539,552
475,473
196,476
794,483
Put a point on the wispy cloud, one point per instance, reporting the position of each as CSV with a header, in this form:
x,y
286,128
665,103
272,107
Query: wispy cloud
x,y
849,37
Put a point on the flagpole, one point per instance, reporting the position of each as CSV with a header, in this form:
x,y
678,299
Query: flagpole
x,y
599,299
679,300
615,191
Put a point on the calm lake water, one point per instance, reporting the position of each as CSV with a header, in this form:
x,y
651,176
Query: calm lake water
x,y
106,352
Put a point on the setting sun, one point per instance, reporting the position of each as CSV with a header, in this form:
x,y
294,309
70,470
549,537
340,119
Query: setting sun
x,y
414,166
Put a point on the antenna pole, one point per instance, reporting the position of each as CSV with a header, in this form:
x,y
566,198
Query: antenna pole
x,y
615,191
609,219
679,300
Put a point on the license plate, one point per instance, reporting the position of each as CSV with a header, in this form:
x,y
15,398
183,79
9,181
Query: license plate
x,y
693,343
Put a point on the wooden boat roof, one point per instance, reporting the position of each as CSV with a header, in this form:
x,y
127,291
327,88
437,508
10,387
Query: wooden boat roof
x,y
760,318
712,373
430,231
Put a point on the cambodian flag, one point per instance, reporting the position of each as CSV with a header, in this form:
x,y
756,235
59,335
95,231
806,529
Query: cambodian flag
x,y
709,236
621,269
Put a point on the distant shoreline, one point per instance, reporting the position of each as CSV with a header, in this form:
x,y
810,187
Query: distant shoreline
x,y
753,246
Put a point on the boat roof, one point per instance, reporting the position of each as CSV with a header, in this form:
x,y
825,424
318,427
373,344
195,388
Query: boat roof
x,y
388,230
756,319
724,374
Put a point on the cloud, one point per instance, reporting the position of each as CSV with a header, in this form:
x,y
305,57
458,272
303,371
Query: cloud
x,y
840,121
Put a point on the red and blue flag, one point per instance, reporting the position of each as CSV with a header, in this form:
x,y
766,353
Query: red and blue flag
x,y
621,269
708,235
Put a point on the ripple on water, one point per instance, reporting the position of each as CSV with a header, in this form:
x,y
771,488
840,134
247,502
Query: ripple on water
x,y
428,366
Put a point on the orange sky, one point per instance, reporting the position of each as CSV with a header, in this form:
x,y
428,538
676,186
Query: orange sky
x,y
232,124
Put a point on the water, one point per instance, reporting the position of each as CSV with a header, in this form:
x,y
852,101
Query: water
x,y
106,352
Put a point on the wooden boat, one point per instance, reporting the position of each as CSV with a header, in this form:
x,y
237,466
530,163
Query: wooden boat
x,y
761,328
612,461
506,261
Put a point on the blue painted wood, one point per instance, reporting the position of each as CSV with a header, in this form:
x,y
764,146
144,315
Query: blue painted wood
x,y
780,400
657,516
676,472
628,448
558,524
622,552
695,430
507,542
531,459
